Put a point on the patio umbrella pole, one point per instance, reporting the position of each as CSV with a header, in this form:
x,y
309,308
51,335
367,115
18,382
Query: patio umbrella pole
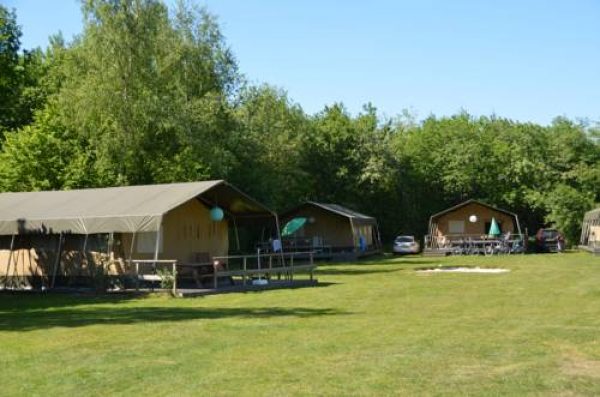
x,y
281,255
260,281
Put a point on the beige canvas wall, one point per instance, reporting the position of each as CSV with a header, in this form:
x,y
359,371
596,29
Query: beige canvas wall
x,y
483,213
594,233
36,255
187,230
333,229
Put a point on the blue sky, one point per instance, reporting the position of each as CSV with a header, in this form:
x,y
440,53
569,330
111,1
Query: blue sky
x,y
526,60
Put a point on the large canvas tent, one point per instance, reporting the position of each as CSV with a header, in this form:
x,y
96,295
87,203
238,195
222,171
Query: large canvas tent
x,y
332,229
469,219
67,233
472,217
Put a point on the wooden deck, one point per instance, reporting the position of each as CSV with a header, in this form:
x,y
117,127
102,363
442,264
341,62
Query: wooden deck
x,y
278,268
436,251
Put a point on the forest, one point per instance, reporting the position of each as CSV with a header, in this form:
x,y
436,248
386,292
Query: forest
x,y
147,94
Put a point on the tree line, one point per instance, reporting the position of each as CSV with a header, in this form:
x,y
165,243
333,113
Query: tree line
x,y
147,94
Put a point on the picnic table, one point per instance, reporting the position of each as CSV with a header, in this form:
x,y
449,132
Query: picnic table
x,y
486,246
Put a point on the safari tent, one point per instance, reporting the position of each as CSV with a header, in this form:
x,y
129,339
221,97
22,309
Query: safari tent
x,y
331,230
470,219
54,238
590,231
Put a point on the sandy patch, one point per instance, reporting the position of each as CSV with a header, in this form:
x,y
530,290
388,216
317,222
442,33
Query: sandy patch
x,y
581,367
463,270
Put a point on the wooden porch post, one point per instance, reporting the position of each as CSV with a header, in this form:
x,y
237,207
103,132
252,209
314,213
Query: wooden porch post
x,y
311,265
237,235
379,242
353,235
57,260
244,265
83,256
215,278
518,224
109,250
270,265
137,278
8,263
175,278
156,247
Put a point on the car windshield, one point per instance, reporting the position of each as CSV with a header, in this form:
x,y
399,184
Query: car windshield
x,y
548,234
405,239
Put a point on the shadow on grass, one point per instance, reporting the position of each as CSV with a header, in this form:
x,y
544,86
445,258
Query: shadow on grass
x,y
18,301
70,318
362,266
349,271
394,260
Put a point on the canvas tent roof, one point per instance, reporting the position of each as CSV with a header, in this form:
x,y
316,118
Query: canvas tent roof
x,y
338,210
471,201
115,209
593,214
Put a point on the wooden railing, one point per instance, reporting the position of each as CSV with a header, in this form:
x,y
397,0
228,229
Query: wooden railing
x,y
280,264
285,264
476,243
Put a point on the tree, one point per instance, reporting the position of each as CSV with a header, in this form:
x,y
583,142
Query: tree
x,y
147,96
44,156
10,74
149,93
20,76
566,207
268,147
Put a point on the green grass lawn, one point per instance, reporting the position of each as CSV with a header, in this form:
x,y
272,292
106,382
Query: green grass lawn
x,y
373,328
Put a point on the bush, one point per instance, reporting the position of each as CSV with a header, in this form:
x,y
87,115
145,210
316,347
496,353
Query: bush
x,y
167,279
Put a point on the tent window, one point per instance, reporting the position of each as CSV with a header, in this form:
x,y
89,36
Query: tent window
x,y
146,242
456,227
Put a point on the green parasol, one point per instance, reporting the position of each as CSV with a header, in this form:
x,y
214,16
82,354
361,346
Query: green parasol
x,y
494,228
292,226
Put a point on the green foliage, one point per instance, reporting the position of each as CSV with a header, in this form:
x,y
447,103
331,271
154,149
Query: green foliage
x,y
149,93
509,164
10,34
145,95
268,146
167,280
566,206
44,156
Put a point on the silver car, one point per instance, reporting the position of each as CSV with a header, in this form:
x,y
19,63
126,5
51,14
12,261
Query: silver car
x,y
406,245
